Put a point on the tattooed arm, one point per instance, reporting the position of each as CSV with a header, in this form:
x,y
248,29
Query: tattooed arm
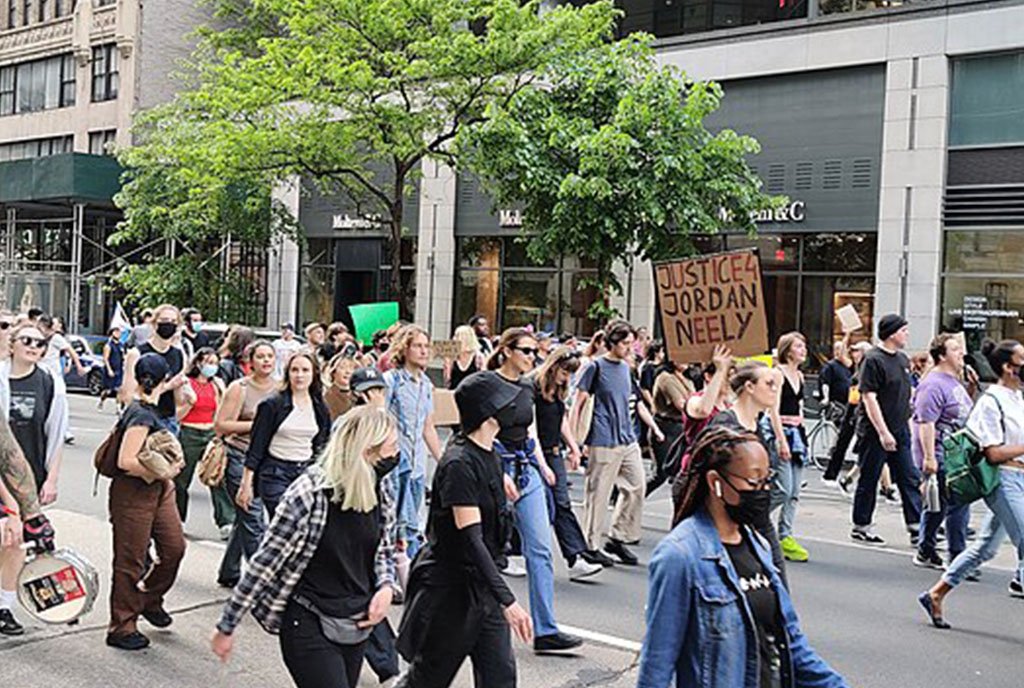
x,y
16,473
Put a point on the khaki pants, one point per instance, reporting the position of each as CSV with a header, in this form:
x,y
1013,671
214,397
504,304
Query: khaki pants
x,y
608,467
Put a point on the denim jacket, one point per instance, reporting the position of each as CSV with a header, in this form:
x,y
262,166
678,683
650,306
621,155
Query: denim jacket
x,y
700,629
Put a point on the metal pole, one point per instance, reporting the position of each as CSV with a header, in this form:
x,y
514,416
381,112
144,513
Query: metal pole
x,y
7,260
77,227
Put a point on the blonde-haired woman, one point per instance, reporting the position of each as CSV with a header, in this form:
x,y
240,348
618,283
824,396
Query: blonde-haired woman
x,y
787,424
469,360
327,560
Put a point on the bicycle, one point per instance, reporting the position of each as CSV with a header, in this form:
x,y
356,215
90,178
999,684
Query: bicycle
x,y
822,436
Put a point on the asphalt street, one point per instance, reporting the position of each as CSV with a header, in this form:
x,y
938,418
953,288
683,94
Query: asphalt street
x,y
856,603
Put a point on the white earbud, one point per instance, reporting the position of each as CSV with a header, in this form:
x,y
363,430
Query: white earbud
x,y
718,490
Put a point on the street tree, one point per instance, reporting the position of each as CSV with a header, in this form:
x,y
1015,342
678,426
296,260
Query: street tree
x,y
611,160
353,95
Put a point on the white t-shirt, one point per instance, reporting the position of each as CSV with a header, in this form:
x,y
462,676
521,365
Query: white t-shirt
x,y
293,440
998,417
51,361
285,348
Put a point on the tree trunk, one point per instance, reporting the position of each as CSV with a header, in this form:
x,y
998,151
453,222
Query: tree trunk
x,y
395,284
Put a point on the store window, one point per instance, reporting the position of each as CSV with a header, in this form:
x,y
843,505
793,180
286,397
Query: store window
x,y
498,279
983,284
807,278
987,99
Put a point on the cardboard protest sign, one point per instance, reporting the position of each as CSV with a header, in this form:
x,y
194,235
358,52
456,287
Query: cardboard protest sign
x,y
370,317
711,300
849,318
445,410
445,348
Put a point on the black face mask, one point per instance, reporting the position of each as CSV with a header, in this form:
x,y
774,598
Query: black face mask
x,y
753,507
506,417
385,465
382,347
166,330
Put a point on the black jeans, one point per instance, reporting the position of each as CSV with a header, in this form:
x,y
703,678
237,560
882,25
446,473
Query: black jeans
x,y
380,651
904,473
249,526
666,454
274,478
313,660
567,528
457,623
847,429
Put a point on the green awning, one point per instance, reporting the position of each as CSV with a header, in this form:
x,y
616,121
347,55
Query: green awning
x,y
74,177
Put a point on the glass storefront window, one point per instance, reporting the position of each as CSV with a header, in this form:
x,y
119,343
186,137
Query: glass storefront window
x,y
780,304
983,307
530,298
985,252
777,251
479,252
986,100
840,252
517,256
821,298
574,306
476,291
317,294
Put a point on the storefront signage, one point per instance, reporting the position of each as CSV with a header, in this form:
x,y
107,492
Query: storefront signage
x,y
795,211
346,221
512,219
712,300
976,313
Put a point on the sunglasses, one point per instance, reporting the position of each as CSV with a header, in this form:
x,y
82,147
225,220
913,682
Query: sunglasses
x,y
528,350
34,342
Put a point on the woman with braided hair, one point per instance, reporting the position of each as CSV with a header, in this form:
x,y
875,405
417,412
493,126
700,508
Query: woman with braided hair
x,y
713,588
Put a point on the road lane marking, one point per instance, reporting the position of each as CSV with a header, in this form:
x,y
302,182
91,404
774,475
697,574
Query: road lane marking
x,y
603,638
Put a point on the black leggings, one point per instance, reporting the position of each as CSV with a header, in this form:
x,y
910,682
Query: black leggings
x,y
847,427
312,660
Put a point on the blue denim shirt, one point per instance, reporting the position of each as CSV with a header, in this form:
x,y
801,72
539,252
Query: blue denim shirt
x,y
411,401
700,629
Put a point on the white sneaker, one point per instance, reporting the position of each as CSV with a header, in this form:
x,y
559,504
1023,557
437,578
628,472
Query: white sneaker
x,y
515,567
583,569
225,533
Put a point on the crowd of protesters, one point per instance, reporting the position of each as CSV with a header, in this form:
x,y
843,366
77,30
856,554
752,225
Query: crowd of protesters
x,y
325,445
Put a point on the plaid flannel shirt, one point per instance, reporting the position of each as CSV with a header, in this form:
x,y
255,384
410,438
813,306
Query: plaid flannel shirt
x,y
287,548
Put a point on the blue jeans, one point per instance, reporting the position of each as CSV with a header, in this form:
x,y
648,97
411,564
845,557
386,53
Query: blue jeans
x,y
248,527
786,493
567,528
410,501
171,425
534,526
274,478
1007,518
956,517
904,473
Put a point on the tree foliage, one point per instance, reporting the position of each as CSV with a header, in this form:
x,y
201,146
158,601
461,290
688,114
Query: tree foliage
x,y
354,94
612,159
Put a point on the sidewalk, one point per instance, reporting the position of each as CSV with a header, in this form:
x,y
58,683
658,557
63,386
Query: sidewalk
x,y
49,656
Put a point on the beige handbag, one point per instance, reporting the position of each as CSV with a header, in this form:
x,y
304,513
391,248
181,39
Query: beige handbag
x,y
161,456
213,464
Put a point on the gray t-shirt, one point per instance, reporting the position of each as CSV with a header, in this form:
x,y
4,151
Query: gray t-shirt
x,y
611,426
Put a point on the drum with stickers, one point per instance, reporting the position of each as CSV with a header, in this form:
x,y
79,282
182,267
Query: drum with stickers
x,y
58,587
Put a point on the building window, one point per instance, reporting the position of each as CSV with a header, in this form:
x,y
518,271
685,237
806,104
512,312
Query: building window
x,y
12,13
102,142
36,148
7,91
986,101
26,12
38,85
44,6
105,78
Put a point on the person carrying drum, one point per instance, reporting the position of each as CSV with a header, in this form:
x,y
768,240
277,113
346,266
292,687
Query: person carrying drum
x,y
142,509
458,605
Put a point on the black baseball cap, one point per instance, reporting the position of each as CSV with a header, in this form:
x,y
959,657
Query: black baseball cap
x,y
150,370
481,396
366,378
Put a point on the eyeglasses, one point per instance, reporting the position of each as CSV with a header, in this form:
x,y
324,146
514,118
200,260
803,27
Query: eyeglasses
x,y
528,350
763,484
34,342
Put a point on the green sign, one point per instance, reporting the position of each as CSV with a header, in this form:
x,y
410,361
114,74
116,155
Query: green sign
x,y
370,317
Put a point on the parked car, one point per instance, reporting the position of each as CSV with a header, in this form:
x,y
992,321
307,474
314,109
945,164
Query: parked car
x,y
92,381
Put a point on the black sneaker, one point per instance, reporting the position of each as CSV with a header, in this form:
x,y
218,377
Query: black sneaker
x,y
621,552
128,641
229,584
867,534
158,617
556,642
593,556
1015,588
9,625
928,561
